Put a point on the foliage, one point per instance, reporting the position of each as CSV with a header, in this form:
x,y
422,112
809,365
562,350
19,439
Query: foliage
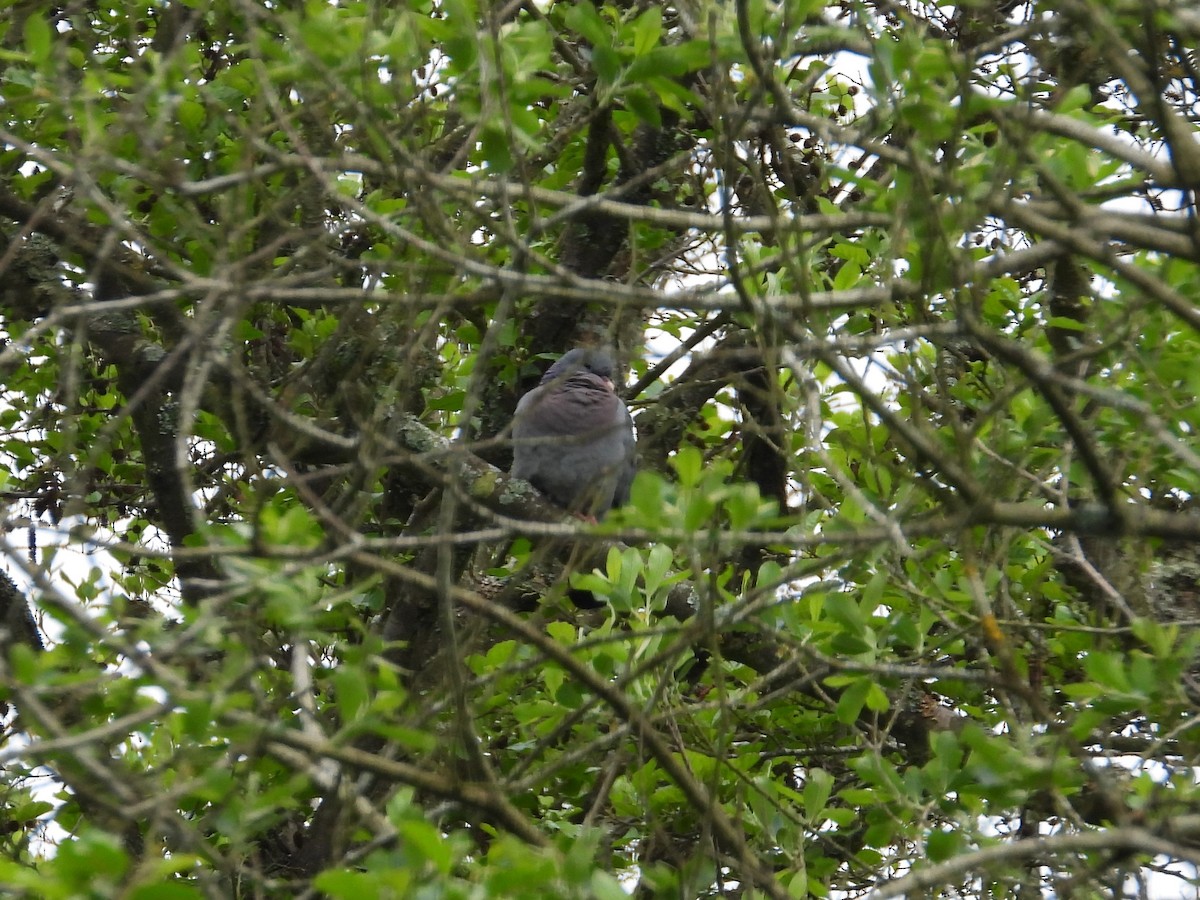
x,y
905,599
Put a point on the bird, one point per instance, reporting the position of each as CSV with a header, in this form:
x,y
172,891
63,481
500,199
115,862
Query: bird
x,y
573,437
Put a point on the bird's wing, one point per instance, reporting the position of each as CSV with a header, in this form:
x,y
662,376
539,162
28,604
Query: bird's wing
x,y
580,407
628,465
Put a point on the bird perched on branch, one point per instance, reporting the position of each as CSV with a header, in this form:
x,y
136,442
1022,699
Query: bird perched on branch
x,y
573,437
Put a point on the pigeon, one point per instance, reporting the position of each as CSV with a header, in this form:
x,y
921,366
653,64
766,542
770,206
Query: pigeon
x,y
573,437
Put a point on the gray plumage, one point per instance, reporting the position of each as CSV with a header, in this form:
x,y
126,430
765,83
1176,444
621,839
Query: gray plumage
x,y
573,437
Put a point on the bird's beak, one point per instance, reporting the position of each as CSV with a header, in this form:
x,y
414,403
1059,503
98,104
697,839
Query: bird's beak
x,y
609,384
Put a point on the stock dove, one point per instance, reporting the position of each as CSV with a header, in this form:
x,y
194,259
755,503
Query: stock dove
x,y
573,437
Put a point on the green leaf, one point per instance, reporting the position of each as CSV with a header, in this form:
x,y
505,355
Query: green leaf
x,y
341,884
657,566
942,844
844,610
603,886
496,147
646,495
877,699
688,463
38,37
583,18
643,106
850,703
1066,324
351,693
647,30
607,64
847,276
1108,669
818,785
613,564
797,885
191,115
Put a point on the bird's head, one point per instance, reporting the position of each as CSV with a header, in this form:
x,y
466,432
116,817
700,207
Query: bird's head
x,y
593,360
